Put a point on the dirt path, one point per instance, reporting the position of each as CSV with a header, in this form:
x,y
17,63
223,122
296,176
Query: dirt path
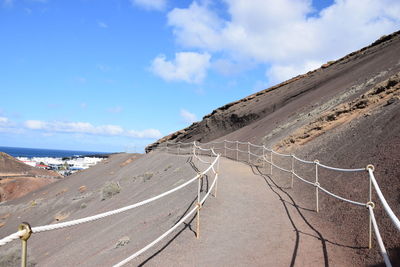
x,y
251,222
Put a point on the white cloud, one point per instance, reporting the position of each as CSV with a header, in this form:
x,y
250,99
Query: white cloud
x,y
8,3
190,67
149,133
103,67
284,34
116,109
4,121
35,124
150,4
278,73
187,116
102,24
88,128
80,79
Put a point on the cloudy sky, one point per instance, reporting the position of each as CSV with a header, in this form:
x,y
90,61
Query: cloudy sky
x,y
114,75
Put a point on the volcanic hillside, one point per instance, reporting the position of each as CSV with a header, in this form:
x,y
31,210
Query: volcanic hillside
x,y
345,114
18,178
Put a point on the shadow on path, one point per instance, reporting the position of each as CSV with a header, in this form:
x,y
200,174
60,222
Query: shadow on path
x,y
187,225
278,190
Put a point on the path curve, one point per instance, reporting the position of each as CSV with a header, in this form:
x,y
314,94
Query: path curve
x,y
251,222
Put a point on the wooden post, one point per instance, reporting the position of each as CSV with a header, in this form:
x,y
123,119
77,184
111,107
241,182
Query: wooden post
x,y
271,163
224,149
248,151
237,150
316,184
198,208
291,186
372,205
24,240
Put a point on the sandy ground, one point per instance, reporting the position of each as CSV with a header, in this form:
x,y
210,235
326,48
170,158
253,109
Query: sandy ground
x,y
252,222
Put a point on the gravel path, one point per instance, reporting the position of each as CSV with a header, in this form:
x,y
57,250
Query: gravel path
x,y
251,222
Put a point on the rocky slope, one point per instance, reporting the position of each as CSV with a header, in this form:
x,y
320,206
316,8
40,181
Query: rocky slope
x,y
346,114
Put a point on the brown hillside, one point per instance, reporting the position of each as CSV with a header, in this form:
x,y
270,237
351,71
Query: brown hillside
x,y
346,114
18,179
12,166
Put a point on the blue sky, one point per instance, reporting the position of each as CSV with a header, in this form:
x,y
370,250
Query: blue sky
x,y
115,75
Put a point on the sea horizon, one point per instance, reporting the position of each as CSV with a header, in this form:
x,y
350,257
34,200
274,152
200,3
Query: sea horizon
x,y
46,152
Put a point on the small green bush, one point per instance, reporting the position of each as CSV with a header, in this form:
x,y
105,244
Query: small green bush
x,y
110,189
147,176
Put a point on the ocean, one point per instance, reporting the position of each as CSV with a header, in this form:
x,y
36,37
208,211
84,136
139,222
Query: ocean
x,y
51,153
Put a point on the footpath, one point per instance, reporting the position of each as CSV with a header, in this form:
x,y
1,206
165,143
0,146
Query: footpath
x,y
251,222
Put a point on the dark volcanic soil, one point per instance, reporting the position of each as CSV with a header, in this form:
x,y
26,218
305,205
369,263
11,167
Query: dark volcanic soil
x,y
324,115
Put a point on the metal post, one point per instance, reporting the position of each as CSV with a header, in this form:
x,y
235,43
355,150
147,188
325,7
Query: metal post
x,y
271,163
28,231
216,179
372,205
291,186
248,151
263,163
237,150
224,149
316,183
179,149
198,207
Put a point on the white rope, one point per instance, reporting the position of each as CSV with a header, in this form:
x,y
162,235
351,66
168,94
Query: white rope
x,y
304,161
304,180
341,169
269,150
158,239
339,197
255,145
280,154
161,237
385,205
255,155
379,238
109,213
114,212
11,237
276,166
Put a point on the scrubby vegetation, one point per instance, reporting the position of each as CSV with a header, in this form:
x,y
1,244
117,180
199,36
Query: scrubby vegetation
x,y
110,189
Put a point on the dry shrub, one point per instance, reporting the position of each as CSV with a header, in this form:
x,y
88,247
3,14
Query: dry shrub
x,y
110,189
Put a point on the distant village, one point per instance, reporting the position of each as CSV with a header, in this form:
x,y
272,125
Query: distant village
x,y
64,166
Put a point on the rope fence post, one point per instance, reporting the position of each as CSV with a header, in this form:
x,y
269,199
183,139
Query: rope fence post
x,y
263,153
248,151
370,166
24,239
179,149
291,185
225,148
216,179
198,207
237,150
271,163
316,184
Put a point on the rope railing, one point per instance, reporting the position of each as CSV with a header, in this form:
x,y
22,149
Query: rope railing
x,y
24,230
370,205
181,148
